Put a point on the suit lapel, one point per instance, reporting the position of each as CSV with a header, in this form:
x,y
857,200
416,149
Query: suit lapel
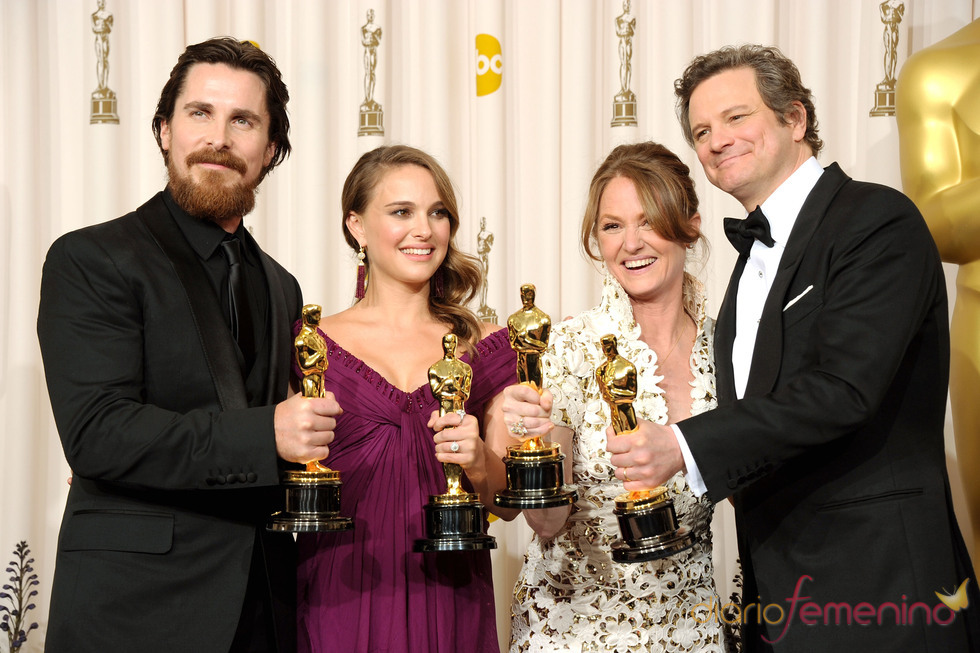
x,y
279,360
219,349
725,336
767,356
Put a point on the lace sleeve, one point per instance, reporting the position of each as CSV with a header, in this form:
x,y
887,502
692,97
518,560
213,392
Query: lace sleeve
x,y
566,374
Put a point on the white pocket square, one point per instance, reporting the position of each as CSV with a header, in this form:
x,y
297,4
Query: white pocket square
x,y
798,297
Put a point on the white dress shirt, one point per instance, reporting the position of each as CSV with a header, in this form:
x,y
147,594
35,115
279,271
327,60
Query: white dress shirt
x,y
781,209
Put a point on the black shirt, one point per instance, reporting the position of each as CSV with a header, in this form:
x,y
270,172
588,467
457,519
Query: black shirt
x,y
205,237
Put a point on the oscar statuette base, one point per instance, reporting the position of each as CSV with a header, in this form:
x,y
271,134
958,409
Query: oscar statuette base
x,y
884,100
624,113
371,120
649,527
312,503
535,479
454,523
104,107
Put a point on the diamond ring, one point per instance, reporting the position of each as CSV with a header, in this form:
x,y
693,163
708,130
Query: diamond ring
x,y
518,428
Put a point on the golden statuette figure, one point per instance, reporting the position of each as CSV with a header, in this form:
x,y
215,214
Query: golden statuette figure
x,y
624,104
371,113
528,330
312,494
450,380
311,356
938,94
484,241
103,98
647,520
891,15
454,519
617,384
535,475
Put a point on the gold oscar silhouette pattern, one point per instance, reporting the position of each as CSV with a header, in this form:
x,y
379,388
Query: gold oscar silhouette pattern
x,y
891,15
104,104
371,113
484,241
624,104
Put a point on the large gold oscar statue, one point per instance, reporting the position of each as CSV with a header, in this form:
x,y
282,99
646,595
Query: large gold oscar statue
x,y
453,519
313,493
938,113
535,474
647,520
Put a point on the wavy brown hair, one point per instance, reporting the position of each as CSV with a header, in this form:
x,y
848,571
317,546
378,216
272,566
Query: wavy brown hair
x,y
462,274
776,77
666,190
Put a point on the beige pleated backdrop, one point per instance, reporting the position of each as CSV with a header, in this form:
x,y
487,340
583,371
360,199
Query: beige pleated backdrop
x,y
521,156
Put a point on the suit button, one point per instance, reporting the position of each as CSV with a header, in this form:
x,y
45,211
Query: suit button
x,y
251,477
232,478
241,478
220,480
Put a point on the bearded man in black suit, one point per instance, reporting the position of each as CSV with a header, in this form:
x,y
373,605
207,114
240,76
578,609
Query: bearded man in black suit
x,y
832,348
167,370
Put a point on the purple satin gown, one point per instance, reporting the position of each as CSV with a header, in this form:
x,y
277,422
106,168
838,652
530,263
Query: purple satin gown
x,y
365,589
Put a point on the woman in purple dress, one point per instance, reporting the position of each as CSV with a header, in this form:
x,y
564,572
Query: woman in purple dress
x,y
365,589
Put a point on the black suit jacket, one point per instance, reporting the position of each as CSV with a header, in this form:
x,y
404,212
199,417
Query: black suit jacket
x,y
835,455
174,475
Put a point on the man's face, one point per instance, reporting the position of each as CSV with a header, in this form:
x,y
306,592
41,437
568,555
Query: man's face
x,y
218,142
743,146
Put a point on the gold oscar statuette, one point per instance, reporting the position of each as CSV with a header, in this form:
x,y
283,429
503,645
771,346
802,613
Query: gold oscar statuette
x,y
535,476
312,494
453,519
647,520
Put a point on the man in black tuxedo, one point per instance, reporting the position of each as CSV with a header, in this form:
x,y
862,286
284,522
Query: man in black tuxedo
x,y
832,352
166,340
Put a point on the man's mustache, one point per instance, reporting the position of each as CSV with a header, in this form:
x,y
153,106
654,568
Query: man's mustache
x,y
220,158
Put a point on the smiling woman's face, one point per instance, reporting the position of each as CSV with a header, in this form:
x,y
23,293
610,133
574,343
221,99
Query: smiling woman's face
x,y
645,263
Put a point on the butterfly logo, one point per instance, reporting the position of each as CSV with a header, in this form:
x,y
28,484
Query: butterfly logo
x,y
958,600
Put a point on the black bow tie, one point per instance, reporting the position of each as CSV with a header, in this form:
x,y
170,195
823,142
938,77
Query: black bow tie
x,y
742,232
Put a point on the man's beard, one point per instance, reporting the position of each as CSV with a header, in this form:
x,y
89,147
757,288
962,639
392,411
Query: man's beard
x,y
212,198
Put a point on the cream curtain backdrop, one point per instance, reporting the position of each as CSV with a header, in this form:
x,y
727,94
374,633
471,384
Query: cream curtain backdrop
x,y
521,156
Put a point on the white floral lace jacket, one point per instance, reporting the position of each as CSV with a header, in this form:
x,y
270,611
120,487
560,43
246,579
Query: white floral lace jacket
x,y
571,595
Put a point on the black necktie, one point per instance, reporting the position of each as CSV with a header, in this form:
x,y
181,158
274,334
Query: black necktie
x,y
239,307
743,232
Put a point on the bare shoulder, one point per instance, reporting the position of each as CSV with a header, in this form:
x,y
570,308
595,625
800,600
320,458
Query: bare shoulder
x,y
343,322
487,329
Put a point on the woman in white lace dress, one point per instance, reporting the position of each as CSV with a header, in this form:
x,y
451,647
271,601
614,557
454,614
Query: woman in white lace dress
x,y
641,222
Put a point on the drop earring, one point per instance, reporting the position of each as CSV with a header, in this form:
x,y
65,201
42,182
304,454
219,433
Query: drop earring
x,y
361,274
